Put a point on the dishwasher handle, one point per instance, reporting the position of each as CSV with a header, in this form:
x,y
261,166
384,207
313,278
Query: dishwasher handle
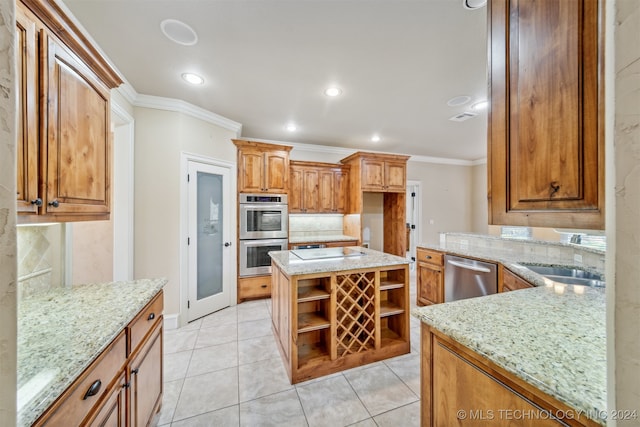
x,y
469,266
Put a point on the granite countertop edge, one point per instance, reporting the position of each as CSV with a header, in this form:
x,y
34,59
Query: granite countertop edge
x,y
64,330
372,259
322,239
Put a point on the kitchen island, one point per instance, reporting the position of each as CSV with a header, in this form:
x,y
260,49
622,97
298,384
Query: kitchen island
x,y
522,357
72,338
338,308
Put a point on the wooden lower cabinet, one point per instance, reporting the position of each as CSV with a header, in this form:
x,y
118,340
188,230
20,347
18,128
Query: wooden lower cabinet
x,y
254,287
458,387
430,277
332,321
511,282
123,386
145,373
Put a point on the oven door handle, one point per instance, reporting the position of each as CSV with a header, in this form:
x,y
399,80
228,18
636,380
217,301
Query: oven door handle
x,y
469,266
263,242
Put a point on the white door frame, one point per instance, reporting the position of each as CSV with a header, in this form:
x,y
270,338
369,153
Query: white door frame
x,y
123,189
418,219
185,158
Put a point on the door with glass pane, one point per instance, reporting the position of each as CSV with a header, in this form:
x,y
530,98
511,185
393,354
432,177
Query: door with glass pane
x,y
210,251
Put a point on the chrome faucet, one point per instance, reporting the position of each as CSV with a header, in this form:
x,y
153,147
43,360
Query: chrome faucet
x,y
576,238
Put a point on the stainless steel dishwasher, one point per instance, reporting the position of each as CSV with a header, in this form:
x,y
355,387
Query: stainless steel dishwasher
x,y
468,278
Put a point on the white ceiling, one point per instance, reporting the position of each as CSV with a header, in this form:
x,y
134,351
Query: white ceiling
x,y
267,63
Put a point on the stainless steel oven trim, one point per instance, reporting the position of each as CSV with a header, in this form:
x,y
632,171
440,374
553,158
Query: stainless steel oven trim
x,y
281,198
257,271
280,234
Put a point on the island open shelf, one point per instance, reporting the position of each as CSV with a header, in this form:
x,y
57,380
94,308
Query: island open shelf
x,y
328,321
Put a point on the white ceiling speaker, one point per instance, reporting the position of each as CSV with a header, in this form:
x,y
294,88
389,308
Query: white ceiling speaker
x,y
457,101
179,32
473,4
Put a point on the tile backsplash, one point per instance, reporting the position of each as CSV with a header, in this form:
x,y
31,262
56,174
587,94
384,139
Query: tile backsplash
x,y
40,260
319,225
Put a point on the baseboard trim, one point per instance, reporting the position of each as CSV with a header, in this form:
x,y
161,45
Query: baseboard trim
x,y
170,321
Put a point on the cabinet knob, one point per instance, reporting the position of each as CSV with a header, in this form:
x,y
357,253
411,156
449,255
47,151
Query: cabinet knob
x,y
151,316
54,203
93,389
227,244
37,202
428,256
135,371
263,286
554,188
126,385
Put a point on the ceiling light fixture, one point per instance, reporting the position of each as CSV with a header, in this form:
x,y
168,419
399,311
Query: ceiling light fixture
x,y
456,101
473,4
480,105
194,79
333,91
291,127
179,32
375,138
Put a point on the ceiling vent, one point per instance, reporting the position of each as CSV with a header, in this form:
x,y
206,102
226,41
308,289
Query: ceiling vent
x,y
462,116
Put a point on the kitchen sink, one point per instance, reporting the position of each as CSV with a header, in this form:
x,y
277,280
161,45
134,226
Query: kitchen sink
x,y
568,275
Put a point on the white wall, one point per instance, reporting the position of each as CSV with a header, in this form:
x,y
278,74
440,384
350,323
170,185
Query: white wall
x,y
479,202
160,138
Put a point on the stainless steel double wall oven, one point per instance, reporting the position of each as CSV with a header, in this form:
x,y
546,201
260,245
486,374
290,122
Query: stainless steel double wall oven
x,y
264,227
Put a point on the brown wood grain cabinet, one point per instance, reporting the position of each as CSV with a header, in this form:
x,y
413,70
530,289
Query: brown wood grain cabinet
x,y
262,168
546,133
317,187
382,173
254,287
303,195
430,277
455,378
333,190
511,282
126,376
64,135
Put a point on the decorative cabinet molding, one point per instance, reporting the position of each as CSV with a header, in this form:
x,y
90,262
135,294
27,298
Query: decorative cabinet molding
x,y
545,136
262,168
64,136
318,187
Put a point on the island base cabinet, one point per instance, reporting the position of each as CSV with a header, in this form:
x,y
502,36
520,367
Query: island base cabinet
x,y
328,322
459,387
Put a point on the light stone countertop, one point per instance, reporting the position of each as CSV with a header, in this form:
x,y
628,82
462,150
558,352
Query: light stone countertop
x,y
293,266
321,238
60,332
554,341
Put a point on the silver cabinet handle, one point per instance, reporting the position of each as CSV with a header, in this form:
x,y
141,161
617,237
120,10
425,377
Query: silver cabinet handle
x,y
469,267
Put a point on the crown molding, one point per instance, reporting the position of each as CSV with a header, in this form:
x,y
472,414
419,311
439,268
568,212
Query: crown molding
x,y
170,104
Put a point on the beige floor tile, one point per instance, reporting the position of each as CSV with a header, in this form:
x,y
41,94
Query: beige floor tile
x,y
178,340
331,403
262,378
254,329
175,365
407,368
170,393
256,349
379,389
226,417
276,410
216,335
248,313
213,358
405,416
226,316
207,392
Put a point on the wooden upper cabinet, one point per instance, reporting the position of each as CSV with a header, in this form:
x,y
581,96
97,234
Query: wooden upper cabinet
x,y
79,136
545,136
262,168
317,188
378,172
27,130
64,137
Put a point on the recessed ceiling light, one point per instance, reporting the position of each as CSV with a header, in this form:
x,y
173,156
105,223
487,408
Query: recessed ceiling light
x,y
480,105
456,101
194,79
179,32
291,127
473,4
375,138
333,91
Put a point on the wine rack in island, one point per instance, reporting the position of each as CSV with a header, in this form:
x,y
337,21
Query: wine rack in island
x,y
328,322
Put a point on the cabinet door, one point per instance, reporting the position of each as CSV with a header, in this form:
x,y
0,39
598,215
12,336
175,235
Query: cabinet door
x,y
296,192
395,176
27,109
113,412
78,138
430,284
277,171
340,186
146,379
310,196
511,282
546,144
251,172
326,191
372,175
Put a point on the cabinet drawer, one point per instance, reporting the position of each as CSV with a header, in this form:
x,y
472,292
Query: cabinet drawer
x,y
74,405
429,256
254,287
144,321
